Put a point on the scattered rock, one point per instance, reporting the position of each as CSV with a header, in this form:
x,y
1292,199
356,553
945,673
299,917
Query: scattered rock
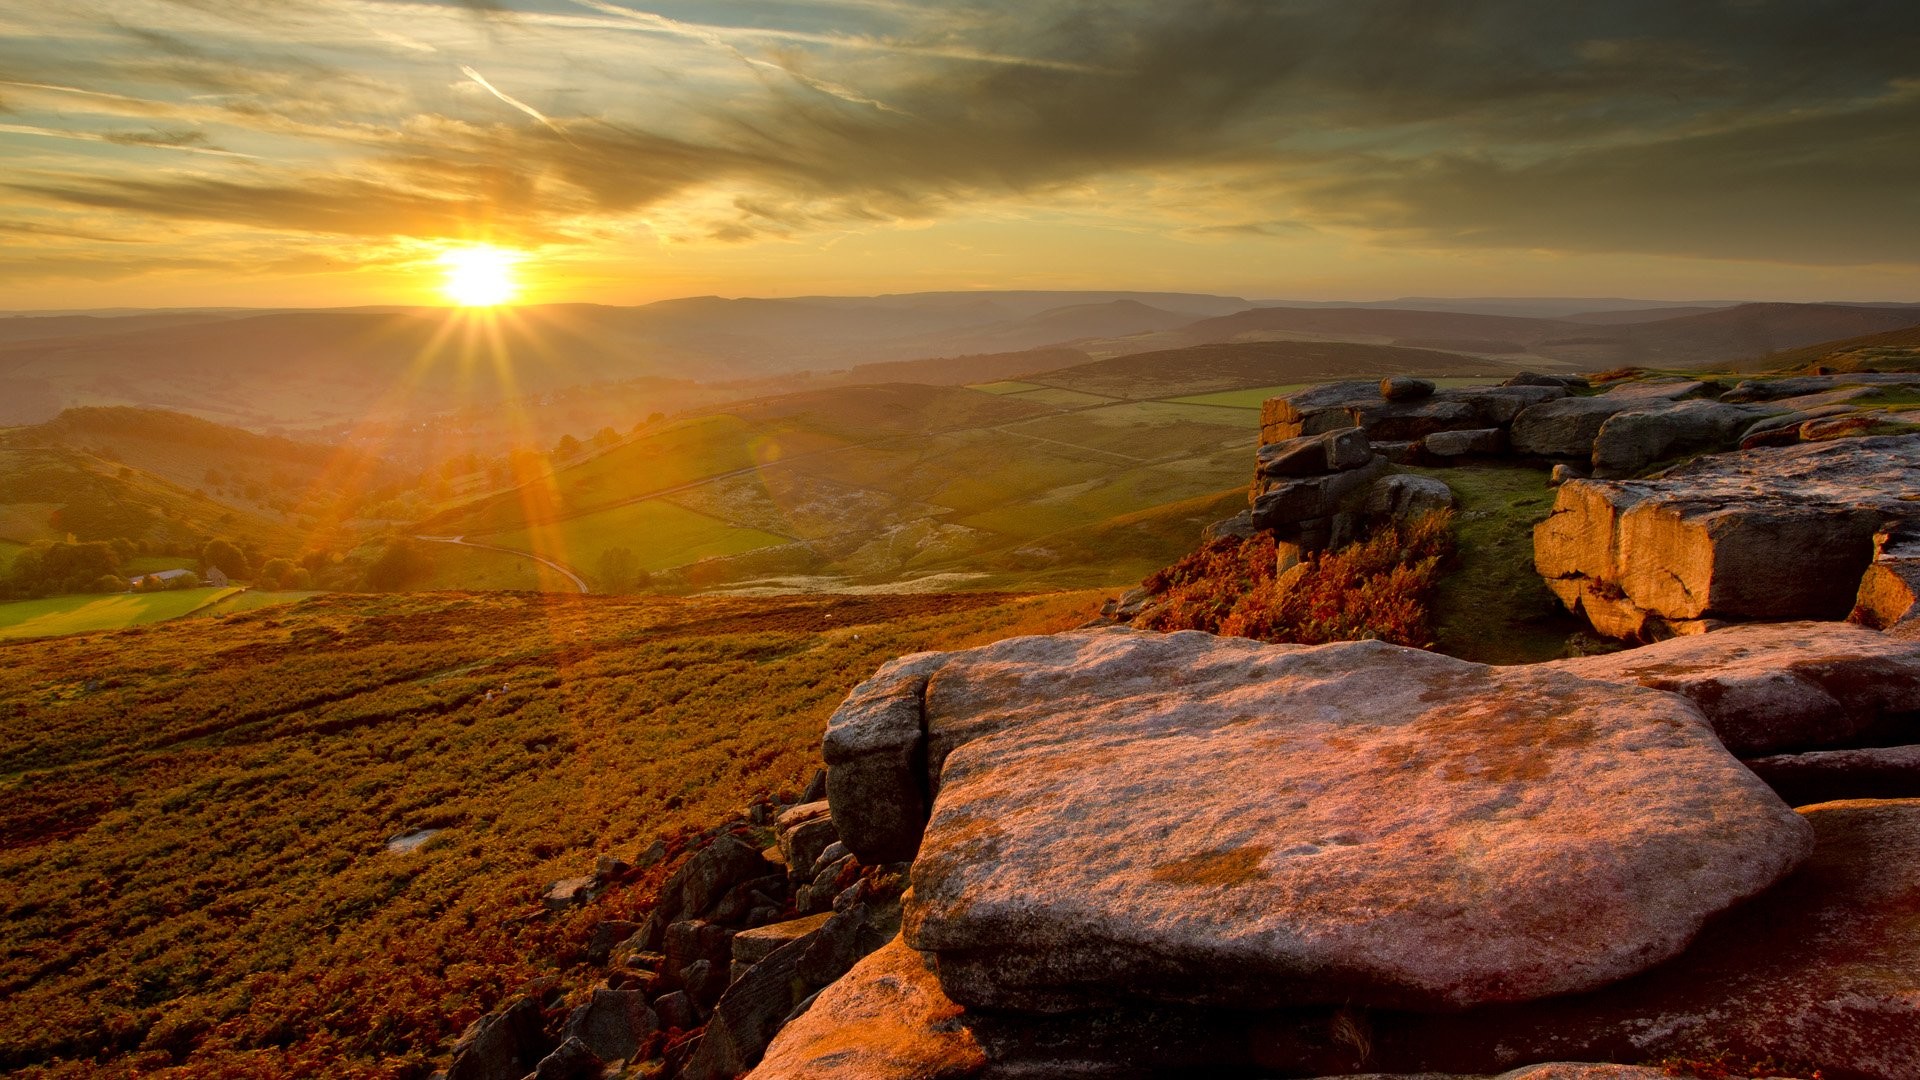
x,y
1240,526
1291,502
1768,688
1889,595
1562,473
1087,846
676,1012
613,1024
1534,378
571,892
607,934
804,832
753,946
1314,455
1564,427
505,1045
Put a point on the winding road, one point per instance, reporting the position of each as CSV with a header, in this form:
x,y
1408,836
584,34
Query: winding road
x,y
557,568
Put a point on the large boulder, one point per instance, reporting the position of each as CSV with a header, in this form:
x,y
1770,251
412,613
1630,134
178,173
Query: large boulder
x,y
1820,973
1777,533
1313,455
1774,687
875,776
1331,406
1628,442
1564,427
1426,831
503,1045
1873,772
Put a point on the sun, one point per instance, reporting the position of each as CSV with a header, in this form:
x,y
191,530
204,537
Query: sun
x,y
480,276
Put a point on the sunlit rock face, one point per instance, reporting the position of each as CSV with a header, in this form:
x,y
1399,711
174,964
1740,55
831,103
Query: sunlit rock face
x,y
1124,816
1773,533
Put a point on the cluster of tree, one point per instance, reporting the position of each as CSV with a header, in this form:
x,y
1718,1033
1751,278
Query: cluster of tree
x,y
50,569
620,571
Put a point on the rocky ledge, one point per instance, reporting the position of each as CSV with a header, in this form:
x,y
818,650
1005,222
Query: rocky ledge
x,y
1768,533
1138,855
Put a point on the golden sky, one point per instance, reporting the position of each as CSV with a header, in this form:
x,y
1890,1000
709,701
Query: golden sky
x,y
327,152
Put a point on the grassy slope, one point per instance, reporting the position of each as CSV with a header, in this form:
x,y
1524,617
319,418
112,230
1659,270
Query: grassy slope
x,y
195,816
36,482
660,533
59,615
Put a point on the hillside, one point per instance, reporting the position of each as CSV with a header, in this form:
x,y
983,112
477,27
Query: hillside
x,y
197,817
47,493
1892,350
1663,338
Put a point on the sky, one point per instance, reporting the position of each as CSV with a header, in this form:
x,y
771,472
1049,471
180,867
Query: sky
x,y
328,152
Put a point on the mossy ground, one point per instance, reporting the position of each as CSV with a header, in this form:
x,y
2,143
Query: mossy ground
x,y
1491,605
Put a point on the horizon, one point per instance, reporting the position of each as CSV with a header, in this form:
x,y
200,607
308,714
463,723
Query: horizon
x,y
320,155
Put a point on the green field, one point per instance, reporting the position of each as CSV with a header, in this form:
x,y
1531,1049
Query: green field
x,y
660,535
249,600
59,615
1255,397
1006,387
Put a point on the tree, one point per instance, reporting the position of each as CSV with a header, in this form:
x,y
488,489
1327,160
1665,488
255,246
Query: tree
x,y
618,569
278,573
567,447
226,556
400,564
605,437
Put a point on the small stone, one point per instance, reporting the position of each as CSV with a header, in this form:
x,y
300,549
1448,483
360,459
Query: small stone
x,y
1404,496
1563,473
571,892
1472,442
613,1024
753,946
504,1045
1405,388
571,1060
607,934
610,867
834,853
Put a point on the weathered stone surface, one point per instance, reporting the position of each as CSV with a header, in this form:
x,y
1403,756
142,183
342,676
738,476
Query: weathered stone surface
x,y
1496,406
875,769
1802,385
1562,473
613,1024
1876,772
1395,420
1332,406
1405,388
753,946
1470,441
571,892
1313,497
1240,526
1645,390
571,1060
1546,834
1534,378
1889,594
505,1045
1630,441
1772,687
1564,427
1312,455
1405,495
886,1020
1775,533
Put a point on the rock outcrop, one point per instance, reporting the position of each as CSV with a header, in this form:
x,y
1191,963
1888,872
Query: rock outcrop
x,y
1779,533
1822,973
1085,842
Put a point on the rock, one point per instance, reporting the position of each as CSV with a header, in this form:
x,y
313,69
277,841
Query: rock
x,y
753,946
676,1012
504,1045
1780,533
836,855
1878,772
694,889
1405,388
886,1019
1314,455
1404,495
1395,420
1822,971
753,1009
1562,473
803,844
1472,441
1889,593
1645,390
1803,385
1315,410
570,892
1086,844
1564,427
1239,526
816,788
692,942
1780,422
1397,451
571,1060
613,1024
1311,498
705,981
1768,688
1630,441
1496,406
607,934
611,867
875,778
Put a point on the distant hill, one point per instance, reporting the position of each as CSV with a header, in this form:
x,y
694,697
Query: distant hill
x,y
318,369
1708,337
1202,369
1893,350
48,493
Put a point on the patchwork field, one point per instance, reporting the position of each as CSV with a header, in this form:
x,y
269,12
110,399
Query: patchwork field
x,y
80,614
195,876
